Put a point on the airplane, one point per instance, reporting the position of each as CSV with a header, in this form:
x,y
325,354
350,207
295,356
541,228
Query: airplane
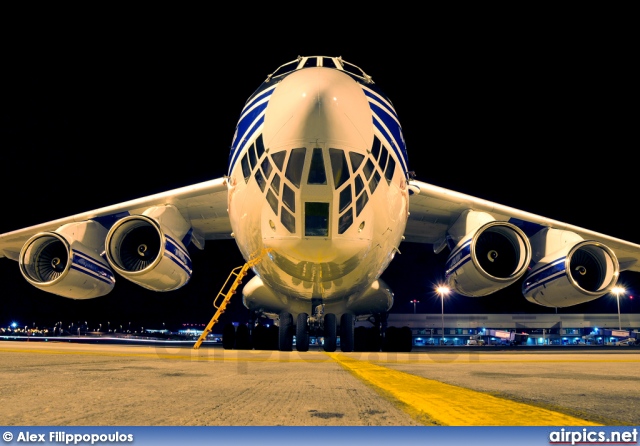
x,y
319,190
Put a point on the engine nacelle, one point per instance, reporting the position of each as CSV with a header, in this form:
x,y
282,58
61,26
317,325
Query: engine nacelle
x,y
488,258
67,262
580,271
147,249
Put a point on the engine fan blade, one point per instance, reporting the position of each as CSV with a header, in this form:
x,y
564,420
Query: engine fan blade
x,y
497,254
586,270
52,261
139,248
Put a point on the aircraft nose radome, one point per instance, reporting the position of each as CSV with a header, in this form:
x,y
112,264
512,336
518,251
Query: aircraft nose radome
x,y
312,104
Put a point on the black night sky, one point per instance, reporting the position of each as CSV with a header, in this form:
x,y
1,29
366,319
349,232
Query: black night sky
x,y
94,118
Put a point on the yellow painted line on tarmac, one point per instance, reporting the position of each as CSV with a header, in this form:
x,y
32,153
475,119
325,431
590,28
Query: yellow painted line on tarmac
x,y
434,402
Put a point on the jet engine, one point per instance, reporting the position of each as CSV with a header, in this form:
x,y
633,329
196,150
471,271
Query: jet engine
x,y
67,262
569,270
147,249
489,255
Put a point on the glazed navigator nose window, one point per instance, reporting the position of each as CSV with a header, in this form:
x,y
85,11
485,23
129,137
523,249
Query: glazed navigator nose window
x,y
316,219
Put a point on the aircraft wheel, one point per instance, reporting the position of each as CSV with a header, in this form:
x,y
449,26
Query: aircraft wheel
x,y
374,340
260,337
302,334
406,339
228,336
360,339
347,332
390,340
330,332
285,332
243,338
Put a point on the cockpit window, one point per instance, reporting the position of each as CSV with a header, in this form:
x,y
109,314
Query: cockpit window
x,y
375,148
356,160
361,202
388,174
288,220
266,167
259,146
339,167
359,185
345,221
317,174
294,167
368,169
289,197
275,184
328,62
246,170
278,159
310,62
383,158
373,184
252,156
345,198
260,179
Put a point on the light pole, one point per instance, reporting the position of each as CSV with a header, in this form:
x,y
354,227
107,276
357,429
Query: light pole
x,y
618,290
414,302
442,290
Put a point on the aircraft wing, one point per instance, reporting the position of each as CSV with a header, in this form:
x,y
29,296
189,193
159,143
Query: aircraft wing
x,y
204,205
434,209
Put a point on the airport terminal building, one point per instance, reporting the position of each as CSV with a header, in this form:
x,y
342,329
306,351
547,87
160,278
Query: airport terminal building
x,y
529,329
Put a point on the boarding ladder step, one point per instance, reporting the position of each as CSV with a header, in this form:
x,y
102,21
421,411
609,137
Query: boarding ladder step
x,y
223,297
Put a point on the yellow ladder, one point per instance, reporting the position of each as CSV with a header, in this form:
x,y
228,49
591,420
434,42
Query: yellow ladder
x,y
239,273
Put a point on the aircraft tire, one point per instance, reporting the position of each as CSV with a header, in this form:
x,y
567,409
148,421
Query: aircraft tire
x,y
390,340
302,334
374,340
359,339
347,336
243,338
330,332
260,337
405,339
285,332
228,336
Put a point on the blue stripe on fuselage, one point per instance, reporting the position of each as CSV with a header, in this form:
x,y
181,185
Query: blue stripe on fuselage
x,y
393,131
247,124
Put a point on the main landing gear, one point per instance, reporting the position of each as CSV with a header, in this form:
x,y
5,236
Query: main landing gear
x,y
343,336
325,325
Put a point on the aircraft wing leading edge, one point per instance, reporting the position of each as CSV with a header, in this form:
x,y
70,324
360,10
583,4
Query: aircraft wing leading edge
x,y
203,205
433,210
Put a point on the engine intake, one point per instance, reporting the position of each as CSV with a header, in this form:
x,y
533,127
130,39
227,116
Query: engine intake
x,y
576,274
67,262
490,258
146,249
